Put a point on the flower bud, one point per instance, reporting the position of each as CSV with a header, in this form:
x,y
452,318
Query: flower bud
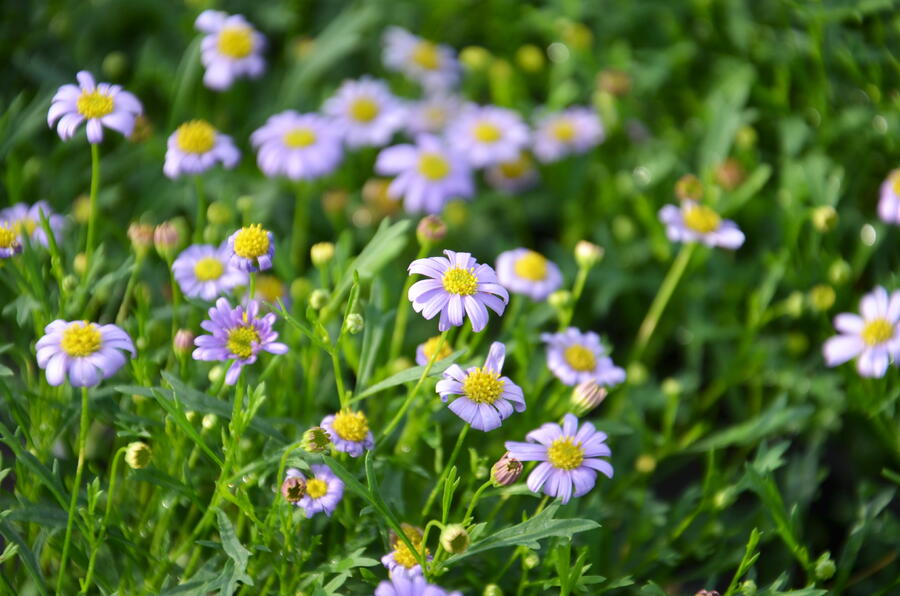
x,y
636,373
623,228
219,213
114,64
334,201
319,298
300,289
321,253
745,137
793,304
671,386
455,539
825,567
81,209
506,471
165,238
293,489
245,203
748,588
141,236
531,560
839,272
492,590
587,254
730,174
209,421
183,341
354,323
822,297
689,187
824,218
316,440
80,263
138,455
530,58
475,57
215,374
614,81
587,395
560,299
431,229
70,283
645,464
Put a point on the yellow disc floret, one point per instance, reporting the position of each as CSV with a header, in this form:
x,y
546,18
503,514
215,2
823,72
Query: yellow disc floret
x,y
81,339
877,331
251,242
299,137
235,41
351,426
701,219
563,130
483,386
364,109
895,182
486,132
208,269
195,136
316,489
564,453
531,266
580,358
460,281
431,345
8,237
93,104
402,554
240,341
426,55
433,166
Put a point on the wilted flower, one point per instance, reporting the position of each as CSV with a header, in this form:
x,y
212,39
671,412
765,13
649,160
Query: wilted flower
x,y
433,65
889,201
365,112
298,146
425,350
324,490
485,398
85,352
316,440
231,48
587,395
569,132
524,271
205,271
873,338
401,561
101,105
252,248
138,455
458,286
26,221
401,585
454,539
513,176
569,455
195,147
506,471
293,488
488,135
575,357
349,432
693,222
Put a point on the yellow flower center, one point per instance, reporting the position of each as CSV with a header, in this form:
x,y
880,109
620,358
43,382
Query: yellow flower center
x,y
80,339
701,219
208,268
316,488
426,55
486,132
196,136
402,554
895,184
8,237
351,426
240,341
563,130
580,358
93,104
460,281
363,109
433,166
235,42
432,344
24,227
251,242
531,266
565,454
877,331
483,386
515,169
269,288
299,137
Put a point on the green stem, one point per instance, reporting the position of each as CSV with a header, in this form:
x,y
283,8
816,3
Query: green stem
x,y
446,470
73,503
403,309
95,548
200,223
92,220
474,500
129,289
301,227
338,377
577,289
252,293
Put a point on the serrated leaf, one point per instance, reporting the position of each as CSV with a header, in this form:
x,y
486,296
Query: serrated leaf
x,y
236,552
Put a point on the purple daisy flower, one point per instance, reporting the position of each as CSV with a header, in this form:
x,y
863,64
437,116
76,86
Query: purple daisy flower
x,y
569,132
195,147
365,112
488,135
889,202
873,338
252,248
298,146
101,105
425,350
693,222
205,271
349,432
486,398
9,241
513,176
574,357
237,334
459,286
401,585
85,352
324,490
569,455
26,221
231,48
524,271
401,560
427,174
432,114
433,65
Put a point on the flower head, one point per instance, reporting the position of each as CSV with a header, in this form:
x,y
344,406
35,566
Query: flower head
x,y
485,398
270,289
426,350
401,560
488,135
889,201
237,334
205,271
231,48
873,338
569,455
252,248
432,114
574,357
102,105
25,221
349,432
324,490
365,112
9,241
402,585
458,286
433,65
84,352
195,147
513,176
294,486
524,271
298,146
693,222
569,132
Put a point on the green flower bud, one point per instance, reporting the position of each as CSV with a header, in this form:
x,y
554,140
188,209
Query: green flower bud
x,y
219,213
354,323
321,253
530,58
825,218
138,455
492,590
825,567
455,539
839,272
822,297
319,298
748,588
316,440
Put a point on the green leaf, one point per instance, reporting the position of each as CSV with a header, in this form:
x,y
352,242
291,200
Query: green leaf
x,y
409,375
775,419
27,556
236,552
174,409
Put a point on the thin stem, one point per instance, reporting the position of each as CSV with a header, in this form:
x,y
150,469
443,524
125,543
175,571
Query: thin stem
x,y
252,293
403,309
474,500
73,502
95,549
446,470
301,226
92,220
577,289
200,223
338,377
129,289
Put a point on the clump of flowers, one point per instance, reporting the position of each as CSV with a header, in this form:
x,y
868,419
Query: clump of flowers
x,y
873,338
205,271
349,432
323,490
574,357
101,106
84,352
231,48
524,271
195,147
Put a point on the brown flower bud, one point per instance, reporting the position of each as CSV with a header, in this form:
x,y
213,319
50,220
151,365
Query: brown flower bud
x,y
293,488
689,187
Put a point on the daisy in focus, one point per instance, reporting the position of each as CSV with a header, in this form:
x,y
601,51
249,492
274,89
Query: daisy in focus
x,y
889,201
873,338
400,585
237,334
323,491
231,49
365,112
575,357
485,398
84,352
401,561
102,105
425,351
488,135
349,432
693,222
513,176
457,286
569,455
524,271
569,132
252,248
433,65
426,175
195,147
205,271
297,146
25,221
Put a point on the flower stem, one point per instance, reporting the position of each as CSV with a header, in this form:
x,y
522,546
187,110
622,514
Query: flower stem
x,y
403,309
92,219
200,223
446,470
95,548
73,503
129,290
474,500
577,289
301,227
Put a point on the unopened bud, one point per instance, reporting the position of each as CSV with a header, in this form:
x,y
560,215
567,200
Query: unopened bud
x,y
80,263
475,57
215,374
636,373
321,253
614,81
587,254
431,229
335,201
294,486
623,228
165,238
300,289
354,323
138,455
587,395
70,282
114,65
506,471
730,174
245,203
689,187
793,304
645,464
219,213
455,539
81,209
141,236
824,218
745,137
706,593
492,590
530,58
183,341
839,272
822,297
560,299
316,440
531,560
825,567
748,588
319,298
